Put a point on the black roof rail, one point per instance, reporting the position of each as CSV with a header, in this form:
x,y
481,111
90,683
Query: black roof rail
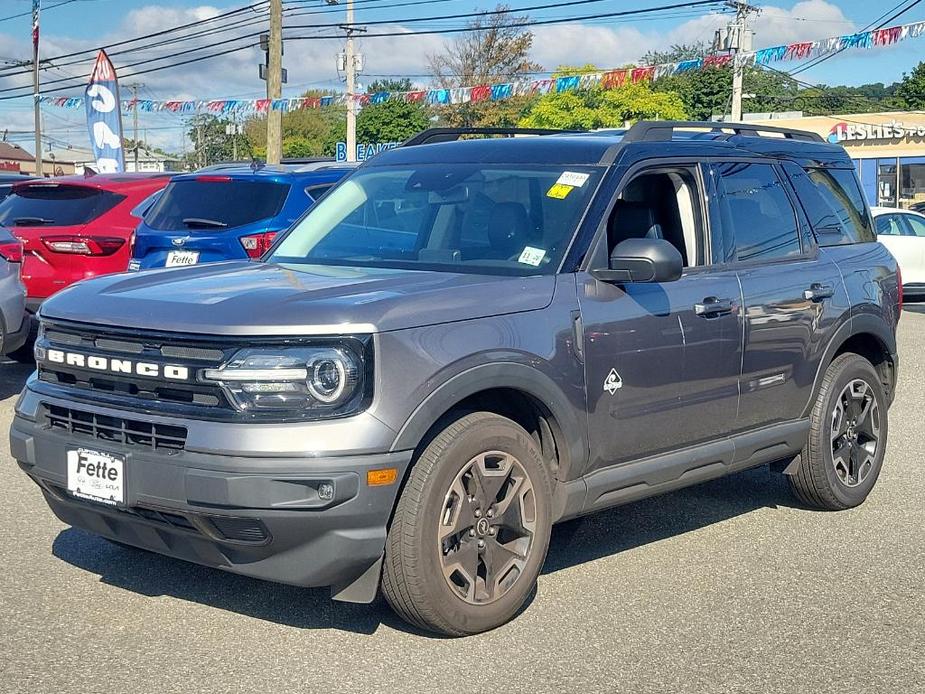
x,y
435,135
660,131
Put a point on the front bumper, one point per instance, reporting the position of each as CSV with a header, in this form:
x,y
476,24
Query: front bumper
x,y
258,516
14,340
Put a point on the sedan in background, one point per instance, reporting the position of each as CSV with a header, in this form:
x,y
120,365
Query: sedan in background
x,y
75,227
228,212
15,323
903,233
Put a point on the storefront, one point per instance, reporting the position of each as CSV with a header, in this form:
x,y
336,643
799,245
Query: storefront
x,y
888,148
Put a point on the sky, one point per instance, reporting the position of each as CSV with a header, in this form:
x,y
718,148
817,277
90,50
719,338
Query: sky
x,y
607,43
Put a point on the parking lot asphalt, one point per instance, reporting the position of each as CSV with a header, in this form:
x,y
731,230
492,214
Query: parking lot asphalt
x,y
729,586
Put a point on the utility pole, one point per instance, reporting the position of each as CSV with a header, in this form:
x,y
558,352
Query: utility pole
x,y
36,91
737,39
351,70
275,82
134,87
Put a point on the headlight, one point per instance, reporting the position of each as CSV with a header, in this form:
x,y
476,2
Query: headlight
x,y
325,381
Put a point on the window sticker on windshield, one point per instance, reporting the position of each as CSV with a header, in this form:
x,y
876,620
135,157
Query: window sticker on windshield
x,y
532,256
559,191
575,180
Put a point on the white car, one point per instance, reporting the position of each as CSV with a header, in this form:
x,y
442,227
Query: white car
x,y
903,233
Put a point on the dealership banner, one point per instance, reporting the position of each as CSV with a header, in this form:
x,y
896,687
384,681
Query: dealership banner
x,y
104,116
607,79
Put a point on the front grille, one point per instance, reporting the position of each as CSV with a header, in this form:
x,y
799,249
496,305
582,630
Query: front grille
x,y
131,432
136,346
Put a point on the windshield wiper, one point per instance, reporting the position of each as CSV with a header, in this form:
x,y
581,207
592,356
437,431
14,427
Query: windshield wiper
x,y
200,222
32,221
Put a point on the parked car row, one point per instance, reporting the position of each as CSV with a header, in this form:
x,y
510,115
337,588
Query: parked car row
x,y
66,229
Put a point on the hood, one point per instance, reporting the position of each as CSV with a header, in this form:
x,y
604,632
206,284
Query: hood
x,y
243,298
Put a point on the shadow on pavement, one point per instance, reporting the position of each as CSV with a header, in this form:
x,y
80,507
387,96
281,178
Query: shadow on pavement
x,y
13,377
573,543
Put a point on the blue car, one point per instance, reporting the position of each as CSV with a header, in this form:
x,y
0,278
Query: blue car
x,y
230,212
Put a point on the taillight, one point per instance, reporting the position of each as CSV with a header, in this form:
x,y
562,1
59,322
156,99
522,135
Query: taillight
x,y
83,245
258,244
11,251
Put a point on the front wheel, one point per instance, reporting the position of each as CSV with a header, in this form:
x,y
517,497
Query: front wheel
x,y
847,442
471,529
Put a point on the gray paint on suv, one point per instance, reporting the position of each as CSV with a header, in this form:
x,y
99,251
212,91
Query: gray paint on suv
x,y
14,322
474,276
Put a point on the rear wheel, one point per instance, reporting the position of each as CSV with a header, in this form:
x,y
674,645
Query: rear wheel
x,y
842,459
471,529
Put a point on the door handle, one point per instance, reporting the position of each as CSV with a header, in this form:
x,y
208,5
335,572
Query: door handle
x,y
819,292
713,306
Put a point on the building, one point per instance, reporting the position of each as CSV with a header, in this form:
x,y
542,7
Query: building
x,y
15,159
888,148
148,161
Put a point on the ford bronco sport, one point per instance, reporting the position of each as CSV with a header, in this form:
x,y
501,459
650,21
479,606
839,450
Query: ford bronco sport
x,y
466,342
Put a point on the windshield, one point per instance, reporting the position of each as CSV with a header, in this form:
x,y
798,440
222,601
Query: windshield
x,y
215,202
477,218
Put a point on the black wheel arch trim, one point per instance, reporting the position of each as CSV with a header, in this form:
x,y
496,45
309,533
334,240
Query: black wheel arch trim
x,y
510,375
859,324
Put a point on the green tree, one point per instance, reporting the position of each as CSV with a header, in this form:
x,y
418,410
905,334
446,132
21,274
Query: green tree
x,y
677,52
391,121
308,132
211,144
390,85
911,90
600,108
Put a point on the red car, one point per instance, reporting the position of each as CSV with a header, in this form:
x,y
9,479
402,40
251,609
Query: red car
x,y
75,227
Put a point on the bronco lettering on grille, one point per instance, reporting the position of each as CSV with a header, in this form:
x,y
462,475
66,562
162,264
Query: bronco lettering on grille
x,y
170,372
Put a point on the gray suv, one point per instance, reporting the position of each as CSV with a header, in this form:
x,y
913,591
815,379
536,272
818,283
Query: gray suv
x,y
15,323
467,341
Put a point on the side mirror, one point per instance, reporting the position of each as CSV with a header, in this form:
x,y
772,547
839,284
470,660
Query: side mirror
x,y
642,260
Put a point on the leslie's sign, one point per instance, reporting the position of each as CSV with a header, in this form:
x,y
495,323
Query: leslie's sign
x,y
860,132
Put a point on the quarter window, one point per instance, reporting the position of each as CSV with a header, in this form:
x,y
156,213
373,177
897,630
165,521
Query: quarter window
x,y
755,206
838,213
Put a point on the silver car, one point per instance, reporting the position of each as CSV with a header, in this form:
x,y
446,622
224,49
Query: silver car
x,y
14,322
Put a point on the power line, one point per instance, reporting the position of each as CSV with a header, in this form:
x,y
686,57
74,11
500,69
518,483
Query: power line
x,y
882,23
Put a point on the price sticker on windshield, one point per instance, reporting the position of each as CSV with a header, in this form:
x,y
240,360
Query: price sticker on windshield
x,y
559,191
573,179
532,256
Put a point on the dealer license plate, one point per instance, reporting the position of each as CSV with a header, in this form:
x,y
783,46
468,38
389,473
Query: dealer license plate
x,y
181,258
96,476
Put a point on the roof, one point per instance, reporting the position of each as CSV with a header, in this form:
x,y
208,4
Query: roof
x,y
14,152
303,173
644,140
894,210
115,182
78,155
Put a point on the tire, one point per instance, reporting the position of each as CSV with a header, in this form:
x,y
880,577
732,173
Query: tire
x,y
823,480
444,496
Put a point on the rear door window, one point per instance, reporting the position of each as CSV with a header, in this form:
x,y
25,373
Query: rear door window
x,y
52,204
755,206
215,202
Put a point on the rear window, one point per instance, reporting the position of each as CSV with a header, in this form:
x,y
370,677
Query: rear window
x,y
55,205
835,206
215,203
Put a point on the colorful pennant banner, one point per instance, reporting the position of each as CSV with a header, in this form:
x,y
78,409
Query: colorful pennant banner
x,y
611,79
